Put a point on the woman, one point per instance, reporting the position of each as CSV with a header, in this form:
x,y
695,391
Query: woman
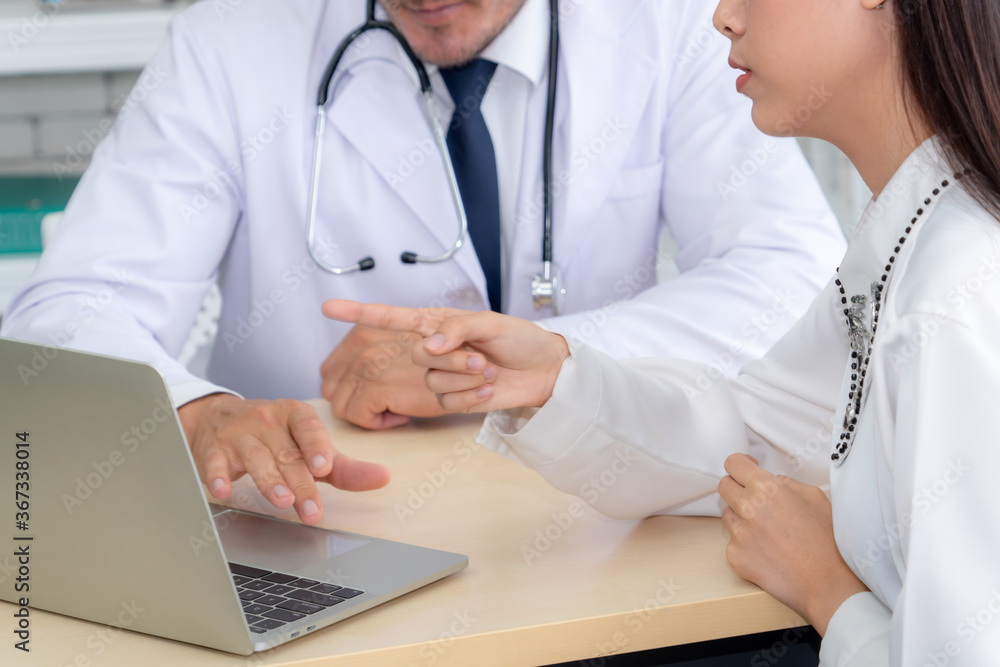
x,y
885,389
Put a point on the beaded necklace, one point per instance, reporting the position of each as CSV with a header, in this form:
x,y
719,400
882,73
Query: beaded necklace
x,y
862,337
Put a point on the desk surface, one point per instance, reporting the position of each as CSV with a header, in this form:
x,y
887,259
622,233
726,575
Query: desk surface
x,y
549,580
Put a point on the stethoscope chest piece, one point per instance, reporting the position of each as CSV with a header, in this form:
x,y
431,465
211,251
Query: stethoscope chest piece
x,y
547,289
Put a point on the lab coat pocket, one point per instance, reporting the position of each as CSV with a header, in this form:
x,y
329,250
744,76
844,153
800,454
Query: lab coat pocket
x,y
638,181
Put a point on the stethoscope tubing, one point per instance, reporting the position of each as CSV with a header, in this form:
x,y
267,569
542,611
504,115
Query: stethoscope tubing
x,y
545,288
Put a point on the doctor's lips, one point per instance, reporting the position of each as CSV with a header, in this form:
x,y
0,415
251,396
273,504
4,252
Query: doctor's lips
x,y
435,13
741,81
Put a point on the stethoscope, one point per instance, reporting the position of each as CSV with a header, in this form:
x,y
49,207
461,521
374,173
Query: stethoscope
x,y
546,288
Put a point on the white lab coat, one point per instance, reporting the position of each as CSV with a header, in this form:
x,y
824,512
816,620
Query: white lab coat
x,y
204,179
915,509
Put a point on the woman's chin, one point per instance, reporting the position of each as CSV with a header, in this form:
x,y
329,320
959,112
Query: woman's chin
x,y
774,125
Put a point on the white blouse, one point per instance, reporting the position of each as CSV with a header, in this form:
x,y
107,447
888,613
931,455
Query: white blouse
x,y
916,515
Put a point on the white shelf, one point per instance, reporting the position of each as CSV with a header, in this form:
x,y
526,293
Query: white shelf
x,y
71,40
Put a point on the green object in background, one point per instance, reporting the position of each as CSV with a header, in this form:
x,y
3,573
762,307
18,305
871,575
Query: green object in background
x,y
24,201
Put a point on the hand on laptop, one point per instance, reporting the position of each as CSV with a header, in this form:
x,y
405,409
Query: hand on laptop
x,y
283,446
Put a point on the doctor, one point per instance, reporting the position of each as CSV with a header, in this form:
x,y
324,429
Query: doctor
x,y
207,180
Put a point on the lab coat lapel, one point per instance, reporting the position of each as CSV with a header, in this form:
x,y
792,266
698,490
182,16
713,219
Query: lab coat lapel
x,y
380,113
606,79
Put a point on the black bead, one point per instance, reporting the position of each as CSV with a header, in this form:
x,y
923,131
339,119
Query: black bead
x,y
854,367
944,184
927,202
897,248
936,192
880,288
920,211
909,229
854,355
843,299
888,268
892,260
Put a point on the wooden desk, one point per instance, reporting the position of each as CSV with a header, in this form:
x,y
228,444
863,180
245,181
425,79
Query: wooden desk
x,y
549,580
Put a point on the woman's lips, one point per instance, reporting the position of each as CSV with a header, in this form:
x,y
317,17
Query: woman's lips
x,y
743,79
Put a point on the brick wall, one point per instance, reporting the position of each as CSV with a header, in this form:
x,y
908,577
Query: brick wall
x,y
50,124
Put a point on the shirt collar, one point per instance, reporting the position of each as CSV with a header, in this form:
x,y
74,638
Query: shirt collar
x,y
523,46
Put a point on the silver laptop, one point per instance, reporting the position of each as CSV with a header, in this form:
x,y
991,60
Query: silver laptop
x,y
112,525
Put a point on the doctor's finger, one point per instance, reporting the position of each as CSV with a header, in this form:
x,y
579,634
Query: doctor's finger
x,y
302,484
216,475
289,461
379,316
352,475
260,463
313,439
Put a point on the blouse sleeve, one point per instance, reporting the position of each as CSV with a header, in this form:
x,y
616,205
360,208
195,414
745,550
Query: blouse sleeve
x,y
944,464
650,436
858,634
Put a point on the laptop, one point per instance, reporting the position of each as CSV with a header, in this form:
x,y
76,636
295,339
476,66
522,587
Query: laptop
x,y
111,522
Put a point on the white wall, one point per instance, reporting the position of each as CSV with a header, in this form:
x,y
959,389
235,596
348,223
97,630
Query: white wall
x,y
843,186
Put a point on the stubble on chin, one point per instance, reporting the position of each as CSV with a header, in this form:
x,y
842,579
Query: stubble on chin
x,y
453,46
445,48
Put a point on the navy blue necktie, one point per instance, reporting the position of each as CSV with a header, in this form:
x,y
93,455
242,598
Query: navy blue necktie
x,y
475,164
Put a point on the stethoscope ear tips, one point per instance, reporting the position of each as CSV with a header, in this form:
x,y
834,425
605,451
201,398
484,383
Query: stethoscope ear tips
x,y
408,258
366,264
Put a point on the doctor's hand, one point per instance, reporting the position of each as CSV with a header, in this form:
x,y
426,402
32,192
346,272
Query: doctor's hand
x,y
476,362
283,446
781,538
370,380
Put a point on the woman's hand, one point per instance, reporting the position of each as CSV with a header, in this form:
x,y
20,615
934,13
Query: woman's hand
x,y
476,361
781,538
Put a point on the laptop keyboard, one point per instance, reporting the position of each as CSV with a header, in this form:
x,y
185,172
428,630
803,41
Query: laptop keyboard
x,y
272,599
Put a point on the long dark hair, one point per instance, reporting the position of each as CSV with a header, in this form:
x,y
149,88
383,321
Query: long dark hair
x,y
950,51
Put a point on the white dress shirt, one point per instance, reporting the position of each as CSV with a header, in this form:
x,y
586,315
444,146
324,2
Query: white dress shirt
x,y
916,515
